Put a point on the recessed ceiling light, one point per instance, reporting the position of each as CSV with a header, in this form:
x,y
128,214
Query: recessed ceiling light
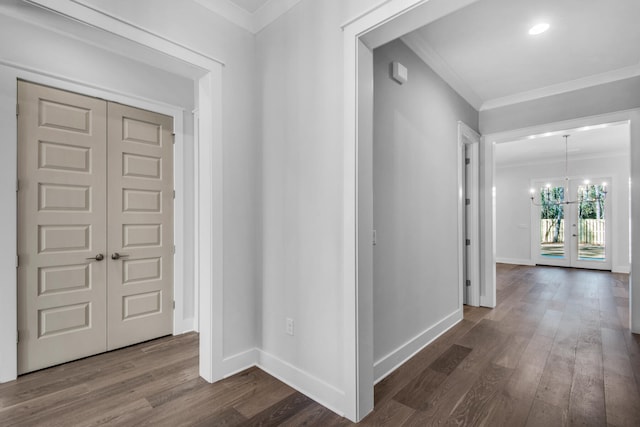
x,y
539,28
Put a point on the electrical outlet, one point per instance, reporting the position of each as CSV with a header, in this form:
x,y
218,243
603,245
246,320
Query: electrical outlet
x,y
289,326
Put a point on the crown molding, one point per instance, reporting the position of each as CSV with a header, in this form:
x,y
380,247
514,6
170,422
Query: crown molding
x,y
252,22
270,12
229,11
569,86
82,11
429,56
423,49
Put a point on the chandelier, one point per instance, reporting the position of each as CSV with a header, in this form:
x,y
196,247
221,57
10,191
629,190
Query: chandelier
x,y
583,195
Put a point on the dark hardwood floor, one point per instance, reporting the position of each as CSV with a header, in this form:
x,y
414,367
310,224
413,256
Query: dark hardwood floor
x,y
556,351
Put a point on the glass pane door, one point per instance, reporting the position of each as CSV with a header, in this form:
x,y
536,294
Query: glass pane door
x,y
551,225
570,223
591,228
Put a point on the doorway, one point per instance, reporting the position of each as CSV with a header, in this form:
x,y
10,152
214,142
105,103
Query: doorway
x,y
95,227
470,141
569,223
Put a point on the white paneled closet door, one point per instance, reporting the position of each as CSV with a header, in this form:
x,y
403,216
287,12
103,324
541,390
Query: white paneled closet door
x,y
95,226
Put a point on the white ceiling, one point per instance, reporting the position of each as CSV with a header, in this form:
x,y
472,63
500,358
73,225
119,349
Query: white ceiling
x,y
485,52
592,142
250,5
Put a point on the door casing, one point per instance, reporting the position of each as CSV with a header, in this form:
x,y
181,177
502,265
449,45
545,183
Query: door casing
x,y
9,75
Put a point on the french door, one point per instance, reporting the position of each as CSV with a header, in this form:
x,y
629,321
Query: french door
x,y
95,226
571,223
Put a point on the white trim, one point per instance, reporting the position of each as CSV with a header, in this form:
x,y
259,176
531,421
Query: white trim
x,y
514,261
196,218
358,396
468,136
254,22
270,12
392,361
569,86
230,11
211,227
81,11
313,387
429,56
12,72
624,269
8,229
240,362
488,296
350,233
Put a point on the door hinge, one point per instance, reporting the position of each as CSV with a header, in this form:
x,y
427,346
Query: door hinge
x,y
174,249
375,237
467,161
174,194
467,201
17,110
17,185
468,242
173,135
174,305
468,282
17,337
17,261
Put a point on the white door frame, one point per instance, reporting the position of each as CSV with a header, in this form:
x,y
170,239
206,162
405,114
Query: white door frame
x,y
209,278
632,117
471,261
10,74
392,19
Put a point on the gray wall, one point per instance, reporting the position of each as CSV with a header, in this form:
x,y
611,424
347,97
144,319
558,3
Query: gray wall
x,y
415,198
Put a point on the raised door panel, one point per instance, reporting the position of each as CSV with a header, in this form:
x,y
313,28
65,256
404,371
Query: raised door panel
x,y
61,223
140,214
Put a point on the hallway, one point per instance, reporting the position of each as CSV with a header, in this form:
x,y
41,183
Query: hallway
x,y
555,351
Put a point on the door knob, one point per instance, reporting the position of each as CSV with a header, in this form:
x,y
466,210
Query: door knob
x,y
574,235
98,257
116,255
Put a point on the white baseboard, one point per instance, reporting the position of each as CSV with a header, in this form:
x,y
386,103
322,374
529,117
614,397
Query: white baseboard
x,y
239,362
515,261
626,269
393,360
183,326
318,390
485,301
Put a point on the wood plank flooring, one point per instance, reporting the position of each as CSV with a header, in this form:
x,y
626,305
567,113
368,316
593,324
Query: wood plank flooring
x,y
555,351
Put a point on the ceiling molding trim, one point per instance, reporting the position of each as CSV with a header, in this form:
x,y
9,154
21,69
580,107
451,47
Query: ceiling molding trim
x,y
429,56
82,12
270,12
572,85
230,11
252,22
503,164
